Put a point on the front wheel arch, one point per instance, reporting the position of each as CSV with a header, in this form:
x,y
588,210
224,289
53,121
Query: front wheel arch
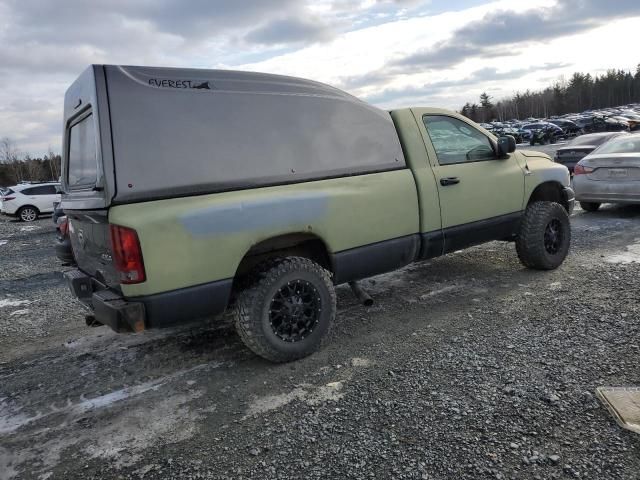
x,y
549,192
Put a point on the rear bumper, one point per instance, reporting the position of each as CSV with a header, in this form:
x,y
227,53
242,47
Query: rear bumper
x,y
109,308
152,311
601,191
9,209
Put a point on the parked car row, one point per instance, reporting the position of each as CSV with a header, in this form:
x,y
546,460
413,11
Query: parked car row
x,y
625,118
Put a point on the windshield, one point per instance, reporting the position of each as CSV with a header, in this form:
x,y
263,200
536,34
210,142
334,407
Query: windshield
x,y
83,167
621,145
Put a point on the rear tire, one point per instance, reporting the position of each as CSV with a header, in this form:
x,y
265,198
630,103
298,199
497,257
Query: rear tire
x,y
28,214
544,237
287,309
590,206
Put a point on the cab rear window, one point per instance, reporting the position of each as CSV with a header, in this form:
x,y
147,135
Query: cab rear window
x,y
83,166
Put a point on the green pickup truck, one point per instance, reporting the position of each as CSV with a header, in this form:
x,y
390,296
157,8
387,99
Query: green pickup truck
x,y
191,192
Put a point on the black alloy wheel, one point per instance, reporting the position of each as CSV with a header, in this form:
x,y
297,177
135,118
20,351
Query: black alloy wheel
x,y
295,310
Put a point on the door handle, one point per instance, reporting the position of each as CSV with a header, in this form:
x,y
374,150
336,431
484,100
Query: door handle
x,y
449,181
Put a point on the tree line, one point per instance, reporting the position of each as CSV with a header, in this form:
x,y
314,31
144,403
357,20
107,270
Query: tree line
x,y
16,167
581,92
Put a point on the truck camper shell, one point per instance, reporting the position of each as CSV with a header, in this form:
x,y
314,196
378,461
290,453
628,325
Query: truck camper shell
x,y
167,132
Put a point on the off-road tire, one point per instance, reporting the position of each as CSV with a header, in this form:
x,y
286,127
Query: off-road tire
x,y
251,310
589,206
531,243
28,213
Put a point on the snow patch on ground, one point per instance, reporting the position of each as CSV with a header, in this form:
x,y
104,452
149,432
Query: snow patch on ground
x,y
8,302
11,420
632,255
157,419
433,293
360,362
332,391
6,465
125,440
115,396
19,312
29,228
3,242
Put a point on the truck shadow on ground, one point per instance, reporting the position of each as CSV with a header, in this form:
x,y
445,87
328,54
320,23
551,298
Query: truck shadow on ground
x,y
419,288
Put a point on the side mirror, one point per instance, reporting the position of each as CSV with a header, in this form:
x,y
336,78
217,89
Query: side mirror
x,y
506,145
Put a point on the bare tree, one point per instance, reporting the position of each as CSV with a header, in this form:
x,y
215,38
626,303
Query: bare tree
x,y
52,157
9,155
32,166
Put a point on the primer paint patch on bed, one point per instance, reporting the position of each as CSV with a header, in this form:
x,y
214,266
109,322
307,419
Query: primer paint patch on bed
x,y
632,255
272,212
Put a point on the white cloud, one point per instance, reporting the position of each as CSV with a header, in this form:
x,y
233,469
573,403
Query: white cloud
x,y
365,46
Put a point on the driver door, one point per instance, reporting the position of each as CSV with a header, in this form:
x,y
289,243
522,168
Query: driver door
x,y
481,195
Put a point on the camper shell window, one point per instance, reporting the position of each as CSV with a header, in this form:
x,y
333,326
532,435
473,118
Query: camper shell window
x,y
83,164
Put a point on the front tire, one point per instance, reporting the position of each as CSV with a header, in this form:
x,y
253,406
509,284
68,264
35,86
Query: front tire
x,y
589,206
28,214
544,237
287,310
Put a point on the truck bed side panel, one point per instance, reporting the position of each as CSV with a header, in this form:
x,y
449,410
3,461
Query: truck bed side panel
x,y
196,240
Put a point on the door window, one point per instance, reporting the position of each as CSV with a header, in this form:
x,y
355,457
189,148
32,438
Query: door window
x,y
456,141
41,190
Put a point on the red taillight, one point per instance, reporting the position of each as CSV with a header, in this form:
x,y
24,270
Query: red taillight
x,y
127,254
64,227
581,169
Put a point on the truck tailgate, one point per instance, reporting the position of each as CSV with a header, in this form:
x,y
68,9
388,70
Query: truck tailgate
x,y
90,240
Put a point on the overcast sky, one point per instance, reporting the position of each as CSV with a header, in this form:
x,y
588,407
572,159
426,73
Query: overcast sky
x,y
392,53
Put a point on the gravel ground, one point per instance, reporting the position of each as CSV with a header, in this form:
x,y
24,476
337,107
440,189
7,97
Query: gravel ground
x,y
468,367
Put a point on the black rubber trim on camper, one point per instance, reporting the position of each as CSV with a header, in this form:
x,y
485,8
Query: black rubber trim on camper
x,y
502,227
249,184
186,304
373,259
